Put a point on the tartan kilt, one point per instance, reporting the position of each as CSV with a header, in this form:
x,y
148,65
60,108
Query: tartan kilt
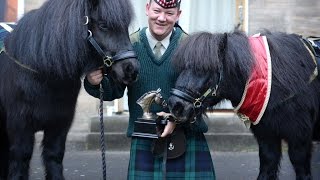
x,y
195,163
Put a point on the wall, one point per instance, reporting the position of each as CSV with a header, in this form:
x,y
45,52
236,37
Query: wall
x,y
293,16
9,10
32,4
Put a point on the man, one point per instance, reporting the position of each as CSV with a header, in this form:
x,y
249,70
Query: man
x,y
154,46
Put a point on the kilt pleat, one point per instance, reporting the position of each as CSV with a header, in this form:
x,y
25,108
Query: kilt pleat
x,y
194,164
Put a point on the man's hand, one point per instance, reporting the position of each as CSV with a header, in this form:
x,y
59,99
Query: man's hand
x,y
95,77
168,129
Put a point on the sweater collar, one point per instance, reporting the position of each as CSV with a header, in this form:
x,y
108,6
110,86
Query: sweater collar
x,y
152,41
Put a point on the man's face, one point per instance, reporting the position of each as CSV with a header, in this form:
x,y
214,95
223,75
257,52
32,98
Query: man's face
x,y
161,20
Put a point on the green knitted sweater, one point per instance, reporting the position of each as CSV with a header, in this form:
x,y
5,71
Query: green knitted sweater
x,y
153,74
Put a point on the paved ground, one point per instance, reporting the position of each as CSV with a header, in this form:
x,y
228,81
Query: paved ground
x,y
86,165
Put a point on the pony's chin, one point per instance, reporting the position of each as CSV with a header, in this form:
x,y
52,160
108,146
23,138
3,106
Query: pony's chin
x,y
123,79
182,120
129,81
185,119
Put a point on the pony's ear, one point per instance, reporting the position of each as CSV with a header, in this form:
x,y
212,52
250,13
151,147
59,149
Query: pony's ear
x,y
94,2
223,45
224,42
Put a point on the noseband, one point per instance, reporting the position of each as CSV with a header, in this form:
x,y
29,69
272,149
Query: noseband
x,y
197,102
108,60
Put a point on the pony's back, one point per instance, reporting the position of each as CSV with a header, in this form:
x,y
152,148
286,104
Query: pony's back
x,y
293,67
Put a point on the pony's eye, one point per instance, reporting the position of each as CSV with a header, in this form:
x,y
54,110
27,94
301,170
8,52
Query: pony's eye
x,y
103,26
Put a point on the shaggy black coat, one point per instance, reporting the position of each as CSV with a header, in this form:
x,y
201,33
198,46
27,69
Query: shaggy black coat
x,y
292,113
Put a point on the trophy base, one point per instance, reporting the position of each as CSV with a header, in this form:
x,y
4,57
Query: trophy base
x,y
146,128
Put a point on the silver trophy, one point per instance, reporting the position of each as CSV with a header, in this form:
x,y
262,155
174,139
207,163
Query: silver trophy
x,y
149,125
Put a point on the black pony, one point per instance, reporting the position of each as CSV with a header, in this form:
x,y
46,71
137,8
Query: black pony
x,y
42,63
223,66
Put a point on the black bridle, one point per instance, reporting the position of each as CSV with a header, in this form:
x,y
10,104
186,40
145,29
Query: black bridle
x,y
108,60
197,102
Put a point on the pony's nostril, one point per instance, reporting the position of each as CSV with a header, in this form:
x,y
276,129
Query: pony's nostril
x,y
129,68
131,71
177,109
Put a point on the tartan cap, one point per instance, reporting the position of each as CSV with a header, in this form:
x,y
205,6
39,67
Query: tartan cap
x,y
168,3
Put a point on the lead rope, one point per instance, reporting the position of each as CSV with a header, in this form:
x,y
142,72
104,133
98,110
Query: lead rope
x,y
102,144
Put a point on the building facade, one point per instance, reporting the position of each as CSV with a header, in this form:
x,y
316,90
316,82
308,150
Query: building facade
x,y
11,10
292,16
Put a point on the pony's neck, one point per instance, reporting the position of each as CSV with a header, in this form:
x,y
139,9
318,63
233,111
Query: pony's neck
x,y
237,65
232,89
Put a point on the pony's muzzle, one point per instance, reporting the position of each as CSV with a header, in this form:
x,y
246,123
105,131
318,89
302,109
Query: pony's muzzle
x,y
131,71
181,109
125,71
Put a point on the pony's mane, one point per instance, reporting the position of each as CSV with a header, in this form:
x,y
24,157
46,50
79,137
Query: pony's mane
x,y
52,38
198,52
205,52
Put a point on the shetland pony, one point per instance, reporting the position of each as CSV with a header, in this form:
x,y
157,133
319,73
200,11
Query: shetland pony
x,y
280,96
41,66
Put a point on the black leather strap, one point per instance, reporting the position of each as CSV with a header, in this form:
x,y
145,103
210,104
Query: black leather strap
x,y
95,44
109,60
182,95
124,55
313,43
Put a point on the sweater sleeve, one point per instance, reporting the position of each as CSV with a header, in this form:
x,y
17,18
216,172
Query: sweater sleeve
x,y
111,89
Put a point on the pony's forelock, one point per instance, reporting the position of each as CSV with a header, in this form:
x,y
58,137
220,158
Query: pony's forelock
x,y
57,35
120,20
199,52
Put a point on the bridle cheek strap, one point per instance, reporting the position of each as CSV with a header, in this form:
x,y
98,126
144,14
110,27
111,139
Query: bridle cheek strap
x,y
109,60
95,44
197,102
